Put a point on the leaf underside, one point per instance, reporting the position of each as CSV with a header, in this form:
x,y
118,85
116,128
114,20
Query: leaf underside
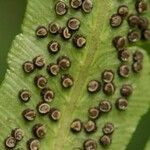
x,y
87,63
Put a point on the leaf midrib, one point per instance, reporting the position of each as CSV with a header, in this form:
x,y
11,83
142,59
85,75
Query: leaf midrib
x,y
78,89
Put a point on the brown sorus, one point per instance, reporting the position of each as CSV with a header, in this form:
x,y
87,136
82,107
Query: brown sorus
x,y
119,42
76,125
40,81
90,144
53,28
108,128
39,61
53,47
115,20
143,23
87,6
43,108
90,126
24,95
124,71
124,55
93,113
107,76
53,69
146,34
41,32
33,144
134,36
29,114
126,90
79,41
18,134
137,66
55,114
141,6
105,106
67,81
94,86
121,104
105,140
73,24
109,88
47,94
75,3
66,33
64,62
123,10
10,142
138,56
28,66
133,20
39,130
61,8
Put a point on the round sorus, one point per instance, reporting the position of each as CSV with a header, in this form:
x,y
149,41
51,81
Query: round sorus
x,y
55,114
93,113
41,32
87,6
123,10
33,144
105,140
53,28
39,61
141,6
94,86
40,81
126,90
18,134
119,42
121,104
109,88
61,8
105,106
28,66
73,24
134,36
29,114
53,47
43,108
124,55
67,81
64,62
76,125
39,130
75,4
123,71
90,144
90,126
24,95
115,20
79,41
108,128
10,142
47,94
107,76
53,69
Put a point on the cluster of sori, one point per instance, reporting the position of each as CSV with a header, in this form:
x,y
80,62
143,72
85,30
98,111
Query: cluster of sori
x,y
138,30
16,136
53,69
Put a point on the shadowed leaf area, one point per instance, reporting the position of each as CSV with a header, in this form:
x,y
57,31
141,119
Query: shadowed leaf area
x,y
87,63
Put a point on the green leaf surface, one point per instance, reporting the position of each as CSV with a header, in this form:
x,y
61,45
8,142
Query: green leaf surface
x,y
87,63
